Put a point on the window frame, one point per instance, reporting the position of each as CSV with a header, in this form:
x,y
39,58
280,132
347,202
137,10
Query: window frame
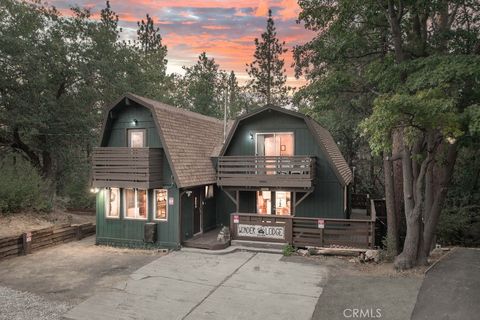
x,y
155,206
143,130
137,217
107,203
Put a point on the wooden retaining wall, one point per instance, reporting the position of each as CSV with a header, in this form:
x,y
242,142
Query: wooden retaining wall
x,y
43,238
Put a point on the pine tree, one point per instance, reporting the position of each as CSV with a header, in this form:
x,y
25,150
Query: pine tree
x,y
203,87
267,69
149,37
152,62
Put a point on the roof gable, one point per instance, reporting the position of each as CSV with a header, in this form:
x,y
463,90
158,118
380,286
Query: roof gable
x,y
188,139
322,136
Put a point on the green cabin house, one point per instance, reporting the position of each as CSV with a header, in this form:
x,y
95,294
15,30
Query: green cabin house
x,y
166,175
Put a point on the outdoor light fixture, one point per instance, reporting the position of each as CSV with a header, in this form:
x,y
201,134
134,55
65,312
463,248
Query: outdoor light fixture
x,y
134,122
94,190
251,135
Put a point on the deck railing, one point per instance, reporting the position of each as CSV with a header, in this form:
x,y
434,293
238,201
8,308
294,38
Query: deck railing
x,y
127,167
257,171
303,232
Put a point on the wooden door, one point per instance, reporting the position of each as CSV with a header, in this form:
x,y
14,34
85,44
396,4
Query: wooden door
x,y
197,212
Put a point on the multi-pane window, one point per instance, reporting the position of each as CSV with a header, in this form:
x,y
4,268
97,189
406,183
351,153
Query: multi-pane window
x,y
112,202
135,203
161,204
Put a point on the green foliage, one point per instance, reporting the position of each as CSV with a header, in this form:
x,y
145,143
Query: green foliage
x,y
21,187
459,226
288,250
439,92
267,69
203,88
389,251
57,74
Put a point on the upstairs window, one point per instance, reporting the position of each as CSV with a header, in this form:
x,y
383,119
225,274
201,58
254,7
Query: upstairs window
x,y
112,202
137,138
136,204
161,204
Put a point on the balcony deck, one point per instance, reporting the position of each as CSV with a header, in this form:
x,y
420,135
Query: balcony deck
x,y
268,172
127,167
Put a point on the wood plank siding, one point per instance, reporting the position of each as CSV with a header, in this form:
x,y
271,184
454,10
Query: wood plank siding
x,y
127,167
273,172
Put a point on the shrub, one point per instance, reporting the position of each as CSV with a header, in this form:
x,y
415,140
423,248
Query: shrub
x,y
459,226
22,187
389,249
288,249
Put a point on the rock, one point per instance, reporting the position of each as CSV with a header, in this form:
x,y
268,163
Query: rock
x,y
224,235
303,252
352,260
372,255
361,257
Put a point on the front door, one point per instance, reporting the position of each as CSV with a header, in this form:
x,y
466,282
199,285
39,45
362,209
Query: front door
x,y
197,212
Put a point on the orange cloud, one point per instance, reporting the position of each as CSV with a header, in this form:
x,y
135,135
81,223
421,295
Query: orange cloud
x,y
262,9
290,9
216,27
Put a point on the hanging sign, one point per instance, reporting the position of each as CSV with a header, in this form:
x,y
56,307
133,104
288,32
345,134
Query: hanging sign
x,y
236,219
171,201
321,224
259,231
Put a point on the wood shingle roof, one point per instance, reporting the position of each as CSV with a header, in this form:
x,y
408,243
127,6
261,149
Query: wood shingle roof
x,y
189,138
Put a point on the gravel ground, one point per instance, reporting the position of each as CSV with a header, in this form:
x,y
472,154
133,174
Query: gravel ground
x,y
18,305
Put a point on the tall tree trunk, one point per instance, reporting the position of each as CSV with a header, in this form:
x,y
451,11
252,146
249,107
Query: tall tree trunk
x,y
392,231
397,148
440,195
408,258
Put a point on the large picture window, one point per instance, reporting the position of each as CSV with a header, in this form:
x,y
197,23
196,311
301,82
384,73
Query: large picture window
x,y
112,202
274,202
135,204
161,204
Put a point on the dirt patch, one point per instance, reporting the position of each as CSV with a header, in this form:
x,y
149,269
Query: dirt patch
x,y
16,224
349,265
71,272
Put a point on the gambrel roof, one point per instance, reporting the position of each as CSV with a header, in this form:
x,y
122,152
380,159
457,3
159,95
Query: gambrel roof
x,y
190,140
322,136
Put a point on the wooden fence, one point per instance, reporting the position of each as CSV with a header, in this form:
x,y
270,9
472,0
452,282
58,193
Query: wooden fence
x,y
43,238
303,232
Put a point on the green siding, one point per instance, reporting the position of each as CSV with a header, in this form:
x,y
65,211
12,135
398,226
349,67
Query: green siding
x,y
125,232
326,200
187,216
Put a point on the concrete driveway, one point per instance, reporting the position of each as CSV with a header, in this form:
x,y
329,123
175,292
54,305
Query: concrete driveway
x,y
186,285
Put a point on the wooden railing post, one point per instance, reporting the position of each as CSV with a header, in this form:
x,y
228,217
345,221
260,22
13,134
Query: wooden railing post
x,y
27,243
78,232
289,231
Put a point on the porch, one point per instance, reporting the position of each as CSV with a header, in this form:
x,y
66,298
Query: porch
x,y
266,171
207,240
127,167
303,232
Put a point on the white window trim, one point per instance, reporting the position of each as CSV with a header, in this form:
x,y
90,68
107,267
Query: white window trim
x,y
107,204
155,205
136,204
275,134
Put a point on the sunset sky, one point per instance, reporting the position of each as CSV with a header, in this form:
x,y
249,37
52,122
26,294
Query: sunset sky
x,y
224,29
